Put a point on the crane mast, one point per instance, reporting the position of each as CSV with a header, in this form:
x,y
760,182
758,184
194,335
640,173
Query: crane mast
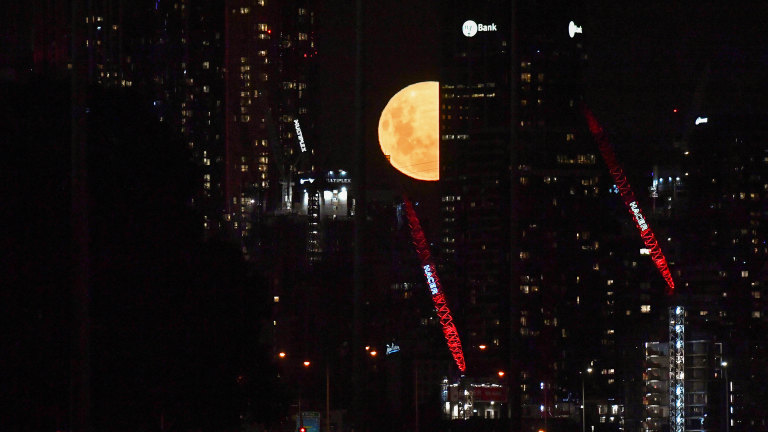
x,y
433,282
617,172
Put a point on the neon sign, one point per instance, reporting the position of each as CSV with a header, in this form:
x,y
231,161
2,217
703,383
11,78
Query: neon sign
x,y
625,190
573,29
391,349
470,28
430,279
302,145
638,216
438,297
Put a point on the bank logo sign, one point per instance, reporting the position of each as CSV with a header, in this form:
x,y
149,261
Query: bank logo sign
x,y
470,28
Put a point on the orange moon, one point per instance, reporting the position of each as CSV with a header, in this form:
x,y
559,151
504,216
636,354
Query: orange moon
x,y
409,131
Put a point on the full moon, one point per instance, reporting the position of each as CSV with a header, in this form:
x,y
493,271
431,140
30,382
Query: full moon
x,y
409,131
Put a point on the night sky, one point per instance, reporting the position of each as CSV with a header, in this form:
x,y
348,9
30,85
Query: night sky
x,y
644,60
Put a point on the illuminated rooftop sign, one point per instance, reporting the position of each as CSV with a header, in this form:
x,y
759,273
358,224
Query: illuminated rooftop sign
x,y
470,28
573,29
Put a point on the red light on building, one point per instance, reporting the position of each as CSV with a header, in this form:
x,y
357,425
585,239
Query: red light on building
x,y
501,374
306,363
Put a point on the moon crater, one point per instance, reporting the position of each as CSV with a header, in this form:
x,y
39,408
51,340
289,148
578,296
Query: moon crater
x,y
409,131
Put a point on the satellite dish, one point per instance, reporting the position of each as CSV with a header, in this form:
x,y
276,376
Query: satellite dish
x,y
573,29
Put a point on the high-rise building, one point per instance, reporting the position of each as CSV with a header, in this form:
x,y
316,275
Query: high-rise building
x,y
473,248
535,248
711,196
269,55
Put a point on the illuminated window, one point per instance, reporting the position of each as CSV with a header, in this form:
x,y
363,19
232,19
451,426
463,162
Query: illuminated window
x,y
276,299
302,36
645,308
525,77
756,314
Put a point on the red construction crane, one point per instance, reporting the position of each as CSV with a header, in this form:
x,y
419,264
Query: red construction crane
x,y
606,149
433,281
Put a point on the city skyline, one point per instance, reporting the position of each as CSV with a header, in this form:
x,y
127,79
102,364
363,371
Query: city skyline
x,y
234,267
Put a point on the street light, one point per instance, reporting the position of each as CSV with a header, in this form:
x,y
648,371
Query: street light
x,y
584,402
724,364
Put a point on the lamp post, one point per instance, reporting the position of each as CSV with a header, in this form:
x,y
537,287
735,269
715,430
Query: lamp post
x,y
724,364
301,413
584,402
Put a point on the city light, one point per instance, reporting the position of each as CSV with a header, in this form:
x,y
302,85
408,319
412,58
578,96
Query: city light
x,y
282,354
306,363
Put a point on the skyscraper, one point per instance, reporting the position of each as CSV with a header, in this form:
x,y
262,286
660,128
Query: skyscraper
x,y
530,240
474,182
269,53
